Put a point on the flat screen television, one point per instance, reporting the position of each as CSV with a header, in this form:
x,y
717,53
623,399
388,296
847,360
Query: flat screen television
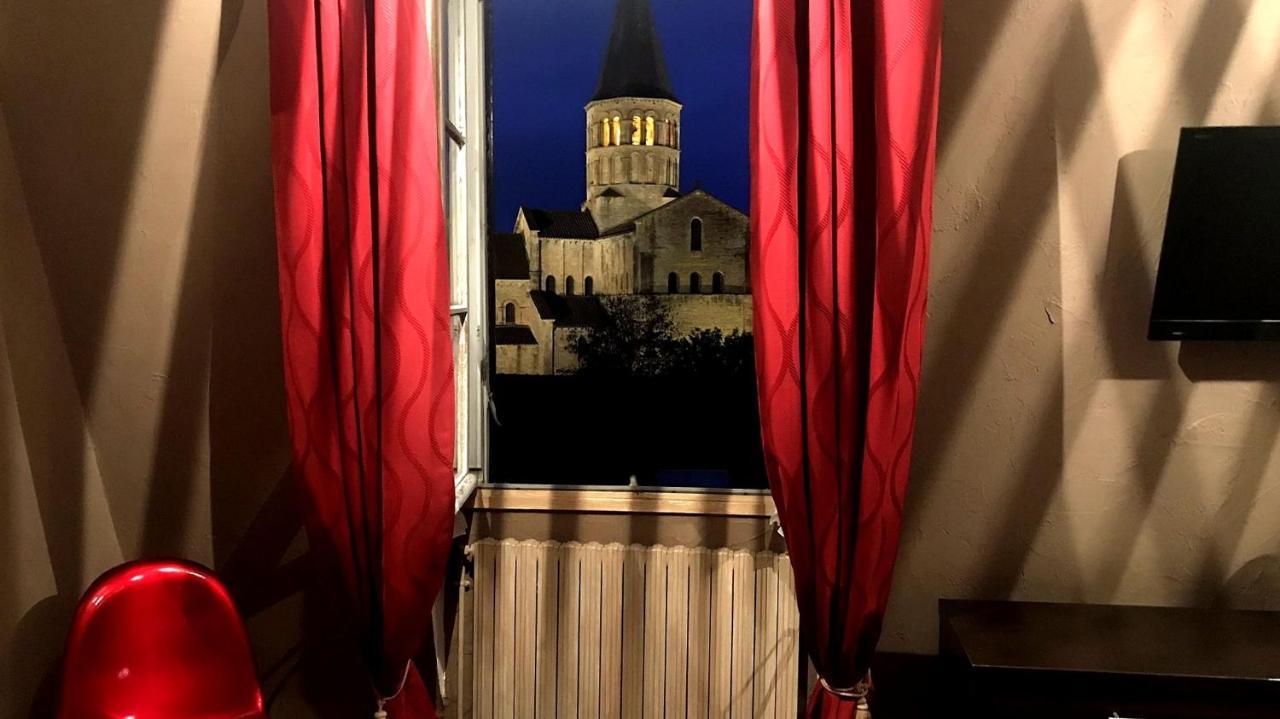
x,y
1219,273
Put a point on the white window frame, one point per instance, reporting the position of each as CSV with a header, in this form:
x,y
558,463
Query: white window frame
x,y
458,34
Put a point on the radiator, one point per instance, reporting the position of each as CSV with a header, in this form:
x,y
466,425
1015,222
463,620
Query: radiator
x,y
591,630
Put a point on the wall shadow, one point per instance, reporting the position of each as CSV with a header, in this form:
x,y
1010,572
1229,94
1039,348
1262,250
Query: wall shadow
x,y
76,120
1255,585
1230,361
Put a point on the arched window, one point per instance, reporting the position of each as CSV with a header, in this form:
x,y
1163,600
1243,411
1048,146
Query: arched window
x,y
617,130
665,137
604,132
648,168
635,130
717,283
551,284
695,235
648,130
675,135
568,285
509,313
673,283
627,168
588,286
695,283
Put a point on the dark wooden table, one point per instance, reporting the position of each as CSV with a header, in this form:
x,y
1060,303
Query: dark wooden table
x,y
1024,659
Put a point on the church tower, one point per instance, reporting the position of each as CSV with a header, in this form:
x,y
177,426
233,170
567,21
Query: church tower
x,y
633,124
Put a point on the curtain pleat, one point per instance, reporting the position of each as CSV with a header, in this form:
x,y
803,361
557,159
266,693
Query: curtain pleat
x,y
843,126
364,306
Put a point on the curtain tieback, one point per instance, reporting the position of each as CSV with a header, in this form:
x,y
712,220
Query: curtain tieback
x,y
858,692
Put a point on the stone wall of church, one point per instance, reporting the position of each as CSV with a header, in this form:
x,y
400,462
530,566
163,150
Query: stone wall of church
x,y
520,359
665,237
726,312
514,292
606,261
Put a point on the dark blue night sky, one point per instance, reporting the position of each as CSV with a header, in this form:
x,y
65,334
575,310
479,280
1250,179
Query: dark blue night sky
x,y
546,60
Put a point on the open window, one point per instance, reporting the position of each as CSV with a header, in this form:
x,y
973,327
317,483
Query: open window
x,y
458,36
633,289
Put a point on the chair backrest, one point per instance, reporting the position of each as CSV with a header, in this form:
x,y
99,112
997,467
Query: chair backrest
x,y
158,639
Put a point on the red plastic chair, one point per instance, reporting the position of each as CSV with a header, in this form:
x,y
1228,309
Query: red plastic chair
x,y
158,640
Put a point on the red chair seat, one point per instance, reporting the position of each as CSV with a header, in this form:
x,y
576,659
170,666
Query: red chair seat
x,y
158,640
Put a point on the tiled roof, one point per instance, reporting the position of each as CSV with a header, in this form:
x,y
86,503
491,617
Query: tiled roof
x,y
513,335
568,224
633,64
568,311
508,257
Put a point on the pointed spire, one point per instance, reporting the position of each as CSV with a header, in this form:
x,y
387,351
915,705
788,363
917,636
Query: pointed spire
x,y
633,64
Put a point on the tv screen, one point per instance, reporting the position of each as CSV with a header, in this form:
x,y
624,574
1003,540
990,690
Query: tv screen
x,y
1219,274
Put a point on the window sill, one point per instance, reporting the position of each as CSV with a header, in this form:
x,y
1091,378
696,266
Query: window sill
x,y
602,500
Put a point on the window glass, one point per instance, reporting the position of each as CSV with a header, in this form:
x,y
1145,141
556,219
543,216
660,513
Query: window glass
x,y
614,265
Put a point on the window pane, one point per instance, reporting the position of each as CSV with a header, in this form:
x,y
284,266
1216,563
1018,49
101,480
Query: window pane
x,y
456,76
461,380
458,224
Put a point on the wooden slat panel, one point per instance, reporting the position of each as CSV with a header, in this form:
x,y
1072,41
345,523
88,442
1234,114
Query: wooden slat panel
x,y
677,610
744,620
653,697
787,676
633,630
567,671
589,632
504,648
720,662
611,631
700,578
766,639
526,576
544,668
485,559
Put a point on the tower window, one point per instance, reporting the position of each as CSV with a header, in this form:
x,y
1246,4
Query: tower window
x,y
675,135
617,130
509,313
695,283
568,285
604,132
635,129
673,283
648,130
717,283
551,284
695,235
588,286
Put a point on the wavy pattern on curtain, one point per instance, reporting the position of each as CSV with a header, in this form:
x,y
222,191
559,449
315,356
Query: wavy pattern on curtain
x,y
843,126
365,314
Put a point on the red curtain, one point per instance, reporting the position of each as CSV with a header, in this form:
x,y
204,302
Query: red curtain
x,y
843,125
364,303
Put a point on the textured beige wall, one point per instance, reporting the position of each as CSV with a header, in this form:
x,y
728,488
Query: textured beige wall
x,y
1060,456
140,391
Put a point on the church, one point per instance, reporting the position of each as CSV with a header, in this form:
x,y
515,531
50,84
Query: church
x,y
636,233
